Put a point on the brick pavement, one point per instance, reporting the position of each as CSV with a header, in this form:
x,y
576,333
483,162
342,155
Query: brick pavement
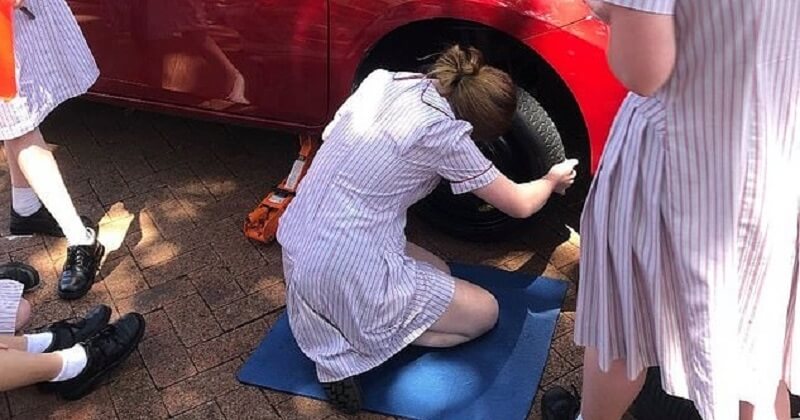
x,y
170,195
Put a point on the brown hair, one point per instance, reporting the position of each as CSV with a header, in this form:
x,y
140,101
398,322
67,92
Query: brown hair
x,y
480,94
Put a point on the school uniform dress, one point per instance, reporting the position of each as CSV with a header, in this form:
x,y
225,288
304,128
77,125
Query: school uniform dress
x,y
690,230
53,64
354,298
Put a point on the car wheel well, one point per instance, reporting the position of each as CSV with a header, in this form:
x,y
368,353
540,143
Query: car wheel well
x,y
415,45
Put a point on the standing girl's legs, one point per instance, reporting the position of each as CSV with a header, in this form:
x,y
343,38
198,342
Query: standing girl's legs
x,y
607,395
32,164
780,410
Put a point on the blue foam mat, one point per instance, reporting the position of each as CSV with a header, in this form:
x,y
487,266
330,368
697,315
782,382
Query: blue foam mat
x,y
493,377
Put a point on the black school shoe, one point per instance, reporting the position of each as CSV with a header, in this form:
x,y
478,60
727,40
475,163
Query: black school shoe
x,y
344,395
22,273
67,333
41,223
80,270
560,404
105,351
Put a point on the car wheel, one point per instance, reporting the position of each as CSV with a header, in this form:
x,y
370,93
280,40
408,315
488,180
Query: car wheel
x,y
525,153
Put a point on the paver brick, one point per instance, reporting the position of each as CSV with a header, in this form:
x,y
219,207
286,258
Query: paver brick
x,y
192,320
201,388
230,345
207,411
247,403
251,307
166,359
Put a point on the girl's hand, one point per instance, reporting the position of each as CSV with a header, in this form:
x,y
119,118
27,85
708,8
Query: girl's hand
x,y
599,9
562,175
18,3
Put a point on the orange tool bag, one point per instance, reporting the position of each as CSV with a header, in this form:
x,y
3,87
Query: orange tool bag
x,y
8,80
262,223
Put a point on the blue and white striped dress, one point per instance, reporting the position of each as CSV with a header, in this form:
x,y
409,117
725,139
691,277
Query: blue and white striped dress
x,y
690,232
53,64
10,297
354,298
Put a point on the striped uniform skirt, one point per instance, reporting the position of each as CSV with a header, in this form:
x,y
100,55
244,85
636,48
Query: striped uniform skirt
x,y
710,301
53,64
10,296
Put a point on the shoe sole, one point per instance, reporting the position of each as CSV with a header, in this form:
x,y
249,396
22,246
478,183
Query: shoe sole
x,y
77,295
344,397
81,391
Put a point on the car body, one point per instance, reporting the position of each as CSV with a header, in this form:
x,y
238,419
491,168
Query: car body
x,y
291,63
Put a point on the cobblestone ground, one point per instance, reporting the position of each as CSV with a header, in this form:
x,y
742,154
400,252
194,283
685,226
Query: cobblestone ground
x,y
170,195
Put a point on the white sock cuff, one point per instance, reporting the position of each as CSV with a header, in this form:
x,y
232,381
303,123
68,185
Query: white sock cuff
x,y
38,343
74,360
83,236
24,201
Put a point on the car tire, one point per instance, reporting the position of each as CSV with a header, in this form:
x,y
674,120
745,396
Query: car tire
x,y
524,154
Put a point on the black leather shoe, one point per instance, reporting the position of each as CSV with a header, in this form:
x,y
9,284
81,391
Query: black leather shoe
x,y
105,351
41,223
67,333
22,273
80,270
344,395
560,404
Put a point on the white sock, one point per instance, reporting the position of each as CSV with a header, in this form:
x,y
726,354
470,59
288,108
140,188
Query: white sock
x,y
41,171
38,343
24,201
74,360
83,236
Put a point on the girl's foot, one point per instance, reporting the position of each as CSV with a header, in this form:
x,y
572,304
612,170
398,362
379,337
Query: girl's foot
x,y
560,404
344,395
238,89
105,351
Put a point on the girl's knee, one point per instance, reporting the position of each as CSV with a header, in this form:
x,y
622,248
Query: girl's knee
x,y
23,314
489,313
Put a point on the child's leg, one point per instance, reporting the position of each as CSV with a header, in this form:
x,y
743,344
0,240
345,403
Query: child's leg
x,y
471,314
36,162
779,411
421,254
21,368
607,395
23,315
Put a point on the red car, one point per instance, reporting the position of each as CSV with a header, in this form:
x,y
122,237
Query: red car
x,y
288,64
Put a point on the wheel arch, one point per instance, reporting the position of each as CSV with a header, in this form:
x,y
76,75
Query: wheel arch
x,y
529,68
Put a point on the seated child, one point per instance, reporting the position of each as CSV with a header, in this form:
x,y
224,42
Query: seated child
x,y
357,291
72,356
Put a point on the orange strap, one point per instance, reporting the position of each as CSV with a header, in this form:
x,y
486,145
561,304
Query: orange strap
x,y
262,223
8,81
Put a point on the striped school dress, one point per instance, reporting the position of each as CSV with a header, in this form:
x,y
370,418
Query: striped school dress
x,y
690,231
354,298
10,297
53,64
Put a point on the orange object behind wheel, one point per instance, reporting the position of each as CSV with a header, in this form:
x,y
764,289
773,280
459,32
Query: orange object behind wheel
x,y
262,223
8,82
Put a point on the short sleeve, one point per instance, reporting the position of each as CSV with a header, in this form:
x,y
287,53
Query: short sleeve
x,y
661,7
460,161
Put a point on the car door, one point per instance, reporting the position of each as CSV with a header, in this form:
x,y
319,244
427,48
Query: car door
x,y
262,59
